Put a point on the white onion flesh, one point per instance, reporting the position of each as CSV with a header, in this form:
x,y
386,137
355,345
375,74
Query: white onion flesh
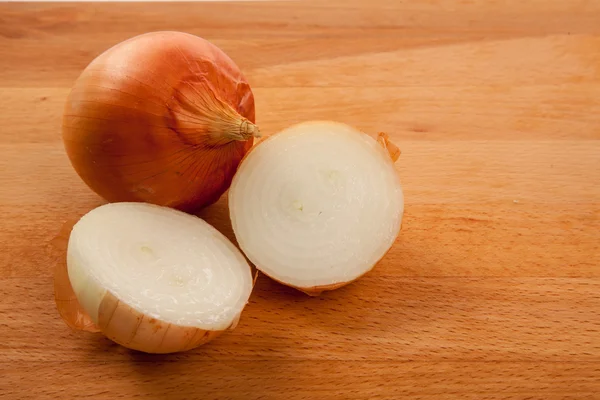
x,y
316,205
164,264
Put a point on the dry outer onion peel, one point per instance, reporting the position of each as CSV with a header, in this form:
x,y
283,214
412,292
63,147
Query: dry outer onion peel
x,y
66,302
152,278
317,205
163,118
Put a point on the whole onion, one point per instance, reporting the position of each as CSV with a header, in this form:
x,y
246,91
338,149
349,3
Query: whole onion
x,y
163,118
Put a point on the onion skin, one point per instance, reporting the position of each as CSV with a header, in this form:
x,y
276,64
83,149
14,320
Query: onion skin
x,y
317,290
163,118
132,329
128,327
66,301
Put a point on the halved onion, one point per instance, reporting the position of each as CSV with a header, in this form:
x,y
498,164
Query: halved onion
x,y
155,279
317,205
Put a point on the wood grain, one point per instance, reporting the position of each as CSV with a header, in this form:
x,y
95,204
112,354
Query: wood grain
x,y
492,289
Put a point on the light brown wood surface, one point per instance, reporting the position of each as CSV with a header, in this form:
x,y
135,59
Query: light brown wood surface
x,y
492,291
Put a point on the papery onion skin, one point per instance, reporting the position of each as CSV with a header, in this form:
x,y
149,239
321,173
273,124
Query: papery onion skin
x,y
66,301
390,151
163,118
154,337
128,327
315,291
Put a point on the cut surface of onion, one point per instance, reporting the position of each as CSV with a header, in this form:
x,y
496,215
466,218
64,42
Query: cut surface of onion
x,y
317,205
156,279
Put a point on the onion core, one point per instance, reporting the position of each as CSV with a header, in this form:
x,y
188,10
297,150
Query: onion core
x,y
317,205
156,279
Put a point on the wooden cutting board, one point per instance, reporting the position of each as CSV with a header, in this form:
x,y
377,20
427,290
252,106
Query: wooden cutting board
x,y
492,291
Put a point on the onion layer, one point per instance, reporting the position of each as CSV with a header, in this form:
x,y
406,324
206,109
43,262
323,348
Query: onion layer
x,y
155,279
317,205
163,118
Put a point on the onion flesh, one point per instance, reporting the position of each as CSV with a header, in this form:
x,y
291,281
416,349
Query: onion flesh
x,y
317,205
163,118
156,279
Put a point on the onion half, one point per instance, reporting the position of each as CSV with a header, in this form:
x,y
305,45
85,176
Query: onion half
x,y
155,279
163,118
317,205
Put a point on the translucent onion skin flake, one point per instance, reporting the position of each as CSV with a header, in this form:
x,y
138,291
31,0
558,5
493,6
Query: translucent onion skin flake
x,y
317,205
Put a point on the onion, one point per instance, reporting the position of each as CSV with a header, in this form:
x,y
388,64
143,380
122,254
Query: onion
x,y
155,279
163,118
66,302
317,205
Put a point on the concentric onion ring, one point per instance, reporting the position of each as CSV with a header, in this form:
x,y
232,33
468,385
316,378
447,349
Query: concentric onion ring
x,y
317,205
155,279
